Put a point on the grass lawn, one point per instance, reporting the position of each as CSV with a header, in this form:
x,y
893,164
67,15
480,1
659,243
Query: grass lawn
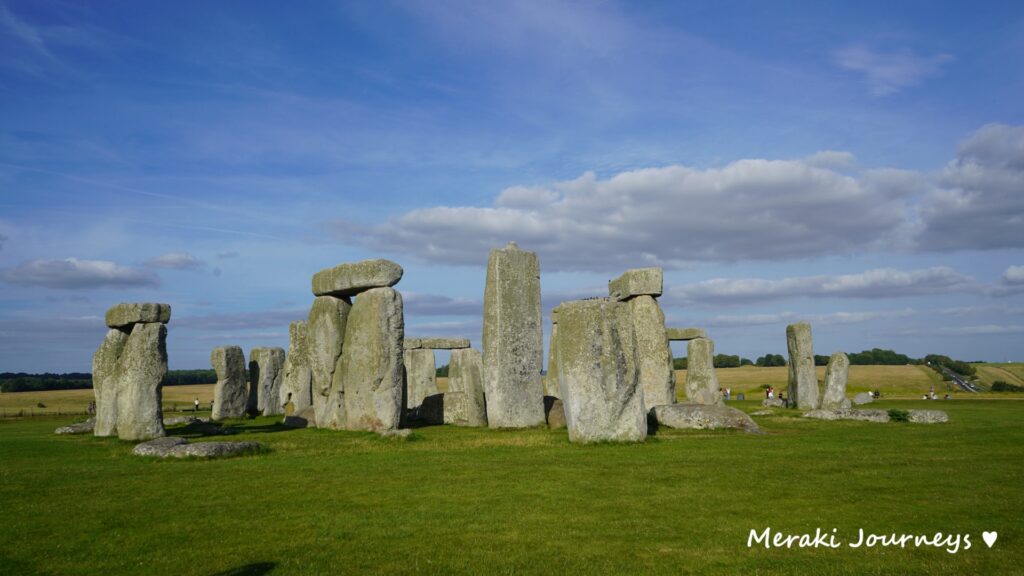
x,y
476,501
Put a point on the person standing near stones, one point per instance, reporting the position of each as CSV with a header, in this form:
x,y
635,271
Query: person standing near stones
x,y
196,405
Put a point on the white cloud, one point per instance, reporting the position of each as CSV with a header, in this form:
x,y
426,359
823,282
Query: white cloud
x,y
788,317
1014,275
176,261
831,159
74,274
890,72
227,254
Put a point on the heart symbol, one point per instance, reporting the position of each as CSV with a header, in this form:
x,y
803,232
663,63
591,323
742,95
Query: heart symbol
x,y
989,538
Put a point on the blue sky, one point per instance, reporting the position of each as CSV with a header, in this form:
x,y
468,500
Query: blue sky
x,y
858,166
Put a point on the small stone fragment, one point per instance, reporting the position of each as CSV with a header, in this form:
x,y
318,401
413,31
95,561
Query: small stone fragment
x,y
636,282
230,394
125,314
684,334
356,277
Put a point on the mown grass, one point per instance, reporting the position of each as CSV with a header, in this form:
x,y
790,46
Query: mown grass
x,y
476,501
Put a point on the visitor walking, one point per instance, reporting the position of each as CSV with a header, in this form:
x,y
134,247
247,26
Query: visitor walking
x,y
196,404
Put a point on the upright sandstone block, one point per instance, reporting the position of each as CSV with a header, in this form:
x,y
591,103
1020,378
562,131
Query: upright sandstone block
x,y
598,372
328,318
266,374
551,378
125,314
803,383
297,387
465,377
143,364
512,339
636,282
230,395
684,334
835,383
106,381
657,378
420,376
353,278
701,381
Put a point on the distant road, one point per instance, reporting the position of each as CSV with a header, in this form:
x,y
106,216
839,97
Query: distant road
x,y
964,384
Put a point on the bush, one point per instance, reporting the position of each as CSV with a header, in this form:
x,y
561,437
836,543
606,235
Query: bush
x,y
899,415
679,363
1001,386
442,371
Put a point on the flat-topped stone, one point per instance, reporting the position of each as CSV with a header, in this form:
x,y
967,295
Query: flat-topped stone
x,y
685,334
636,282
125,314
436,343
849,414
177,447
355,277
704,417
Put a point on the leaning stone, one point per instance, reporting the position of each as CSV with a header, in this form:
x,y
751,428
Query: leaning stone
x,y
230,395
369,376
106,374
142,366
701,380
774,402
803,383
266,373
636,282
512,339
78,427
125,314
465,375
657,377
599,373
849,414
684,334
357,277
297,387
704,417
836,375
160,447
927,416
863,398
420,376
555,412
328,318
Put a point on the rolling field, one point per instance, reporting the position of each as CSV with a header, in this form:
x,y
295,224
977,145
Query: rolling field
x,y
1011,373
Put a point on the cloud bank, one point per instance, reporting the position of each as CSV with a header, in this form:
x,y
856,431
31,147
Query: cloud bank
x,y
75,274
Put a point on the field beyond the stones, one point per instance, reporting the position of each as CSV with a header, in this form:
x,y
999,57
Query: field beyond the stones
x,y
477,501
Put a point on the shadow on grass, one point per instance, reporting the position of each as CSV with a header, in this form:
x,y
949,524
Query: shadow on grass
x,y
254,569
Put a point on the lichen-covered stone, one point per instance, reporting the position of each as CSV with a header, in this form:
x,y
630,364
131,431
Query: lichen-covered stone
x,y
420,376
702,385
512,339
636,282
684,334
126,314
657,378
328,318
230,394
927,416
436,343
106,381
849,414
835,383
83,427
704,417
599,373
176,447
266,374
465,375
803,383
774,402
369,376
142,366
297,387
356,277
863,398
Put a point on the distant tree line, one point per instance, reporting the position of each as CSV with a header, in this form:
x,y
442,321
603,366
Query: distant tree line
x,y
962,368
23,382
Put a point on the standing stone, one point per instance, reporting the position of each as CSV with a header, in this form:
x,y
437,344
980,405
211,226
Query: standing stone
x,y
369,375
420,376
229,394
637,282
266,373
465,376
356,277
803,383
143,364
512,339
551,378
701,381
835,383
297,387
657,378
328,318
106,381
598,372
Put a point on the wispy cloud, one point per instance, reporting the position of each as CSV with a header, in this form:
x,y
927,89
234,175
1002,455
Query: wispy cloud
x,y
890,72
75,274
176,261
788,317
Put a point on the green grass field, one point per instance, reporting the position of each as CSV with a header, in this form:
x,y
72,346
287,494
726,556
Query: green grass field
x,y
477,501
1011,373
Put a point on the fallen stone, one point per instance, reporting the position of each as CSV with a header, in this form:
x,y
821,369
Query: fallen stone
x,y
230,394
176,447
106,373
176,420
328,318
599,373
399,433
654,357
420,376
704,417
863,398
465,375
84,427
702,385
849,414
436,343
803,383
356,277
927,416
142,366
126,314
266,373
512,340
297,386
774,402
836,375
684,334
555,412
636,282
160,447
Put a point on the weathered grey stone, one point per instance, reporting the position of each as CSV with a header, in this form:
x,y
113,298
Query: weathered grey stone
x,y
230,394
512,339
456,408
305,418
763,413
803,383
849,414
176,447
555,412
774,402
465,375
160,447
83,427
863,398
636,282
142,366
684,334
704,417
420,376
369,376
701,380
127,313
927,416
835,383
657,378
436,343
397,434
176,420
106,373
550,379
266,373
297,387
599,373
356,277
328,318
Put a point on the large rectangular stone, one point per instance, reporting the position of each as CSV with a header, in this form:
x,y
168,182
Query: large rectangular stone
x,y
684,334
803,382
436,343
352,278
125,314
636,282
